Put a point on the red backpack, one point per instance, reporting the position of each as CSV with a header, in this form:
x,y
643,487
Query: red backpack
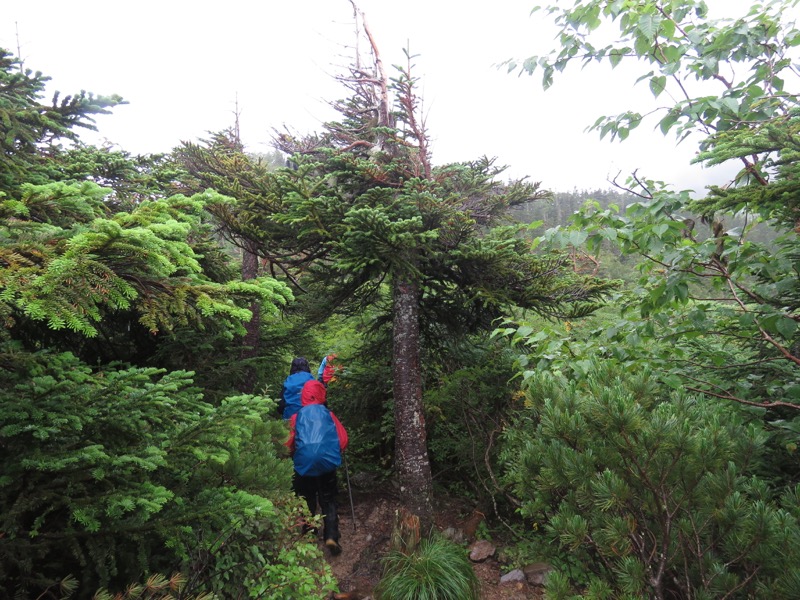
x,y
328,369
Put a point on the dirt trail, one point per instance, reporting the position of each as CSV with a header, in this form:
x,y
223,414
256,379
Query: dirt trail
x,y
358,567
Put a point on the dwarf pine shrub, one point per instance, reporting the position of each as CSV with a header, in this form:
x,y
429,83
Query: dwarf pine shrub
x,y
647,492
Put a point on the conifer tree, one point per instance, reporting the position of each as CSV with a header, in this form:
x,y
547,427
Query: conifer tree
x,y
221,163
113,467
72,273
32,130
367,219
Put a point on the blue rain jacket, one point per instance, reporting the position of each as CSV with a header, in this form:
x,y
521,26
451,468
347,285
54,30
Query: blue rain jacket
x,y
292,387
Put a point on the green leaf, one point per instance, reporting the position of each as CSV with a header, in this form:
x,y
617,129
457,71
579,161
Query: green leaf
x,y
577,238
672,380
648,26
731,104
667,122
547,77
660,229
682,291
657,85
786,327
524,331
668,27
642,45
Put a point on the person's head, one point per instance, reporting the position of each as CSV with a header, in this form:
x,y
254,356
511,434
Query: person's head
x,y
299,364
313,392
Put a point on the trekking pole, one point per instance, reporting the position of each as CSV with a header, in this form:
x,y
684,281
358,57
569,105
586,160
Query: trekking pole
x,y
349,490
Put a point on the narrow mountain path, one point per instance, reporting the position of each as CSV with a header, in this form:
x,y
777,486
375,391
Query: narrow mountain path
x,y
358,568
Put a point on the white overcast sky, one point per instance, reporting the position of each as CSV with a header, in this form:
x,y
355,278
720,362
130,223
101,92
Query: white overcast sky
x,y
183,65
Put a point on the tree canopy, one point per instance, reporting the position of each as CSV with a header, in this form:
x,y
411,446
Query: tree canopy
x,y
717,283
32,130
364,218
117,460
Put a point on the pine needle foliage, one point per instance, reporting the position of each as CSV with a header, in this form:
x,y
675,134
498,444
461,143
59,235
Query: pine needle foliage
x,y
131,178
71,264
357,210
114,466
654,492
156,587
112,472
32,130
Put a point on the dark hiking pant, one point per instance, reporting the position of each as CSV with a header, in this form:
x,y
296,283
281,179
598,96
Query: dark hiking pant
x,y
320,489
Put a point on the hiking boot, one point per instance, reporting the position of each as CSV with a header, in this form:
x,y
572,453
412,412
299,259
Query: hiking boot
x,y
333,546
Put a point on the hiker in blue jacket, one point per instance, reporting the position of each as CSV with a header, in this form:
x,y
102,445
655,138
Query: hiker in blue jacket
x,y
299,375
328,369
316,442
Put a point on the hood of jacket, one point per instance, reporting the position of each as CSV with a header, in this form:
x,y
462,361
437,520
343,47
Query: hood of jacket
x,y
299,364
313,393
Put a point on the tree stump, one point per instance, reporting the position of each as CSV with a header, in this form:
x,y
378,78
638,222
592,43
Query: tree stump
x,y
405,532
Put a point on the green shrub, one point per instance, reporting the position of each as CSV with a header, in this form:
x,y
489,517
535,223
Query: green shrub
x,y
467,399
110,473
652,492
437,570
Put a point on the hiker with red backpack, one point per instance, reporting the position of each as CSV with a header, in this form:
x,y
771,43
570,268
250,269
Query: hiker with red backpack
x,y
328,369
316,441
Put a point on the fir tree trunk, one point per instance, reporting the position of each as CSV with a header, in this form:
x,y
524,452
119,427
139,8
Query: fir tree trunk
x,y
411,449
251,339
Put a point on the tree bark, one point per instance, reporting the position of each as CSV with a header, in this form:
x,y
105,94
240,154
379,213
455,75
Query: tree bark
x,y
251,340
411,448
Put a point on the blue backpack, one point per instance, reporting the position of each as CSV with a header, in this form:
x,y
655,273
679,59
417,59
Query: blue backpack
x,y
316,441
293,385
